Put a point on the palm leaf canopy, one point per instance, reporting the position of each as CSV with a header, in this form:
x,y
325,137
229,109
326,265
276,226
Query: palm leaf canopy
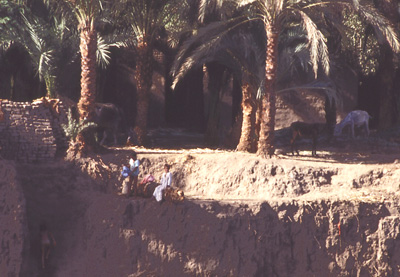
x,y
44,40
283,13
10,17
309,13
148,18
98,14
203,46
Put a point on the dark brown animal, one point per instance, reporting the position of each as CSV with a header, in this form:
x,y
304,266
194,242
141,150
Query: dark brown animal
x,y
108,118
304,130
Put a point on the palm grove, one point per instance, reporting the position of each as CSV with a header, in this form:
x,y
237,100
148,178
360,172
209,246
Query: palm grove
x,y
46,44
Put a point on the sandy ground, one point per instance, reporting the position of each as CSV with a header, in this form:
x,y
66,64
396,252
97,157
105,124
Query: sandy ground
x,y
80,202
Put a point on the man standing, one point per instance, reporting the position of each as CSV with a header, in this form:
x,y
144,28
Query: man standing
x,y
134,174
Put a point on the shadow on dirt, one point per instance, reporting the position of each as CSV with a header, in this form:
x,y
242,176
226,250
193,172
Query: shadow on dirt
x,y
378,148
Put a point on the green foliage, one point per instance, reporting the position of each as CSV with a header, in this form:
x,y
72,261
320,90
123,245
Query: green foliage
x,y
9,16
74,127
361,49
152,19
47,40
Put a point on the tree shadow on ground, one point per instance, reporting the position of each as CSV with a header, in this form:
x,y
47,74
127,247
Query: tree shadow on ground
x,y
378,148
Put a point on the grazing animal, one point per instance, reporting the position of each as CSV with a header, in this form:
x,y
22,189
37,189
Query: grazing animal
x,y
108,118
304,130
354,118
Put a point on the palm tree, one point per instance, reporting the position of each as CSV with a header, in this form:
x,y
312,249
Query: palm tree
x,y
47,44
252,68
11,57
87,13
275,14
245,63
147,19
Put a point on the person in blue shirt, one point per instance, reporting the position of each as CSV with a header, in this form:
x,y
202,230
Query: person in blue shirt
x,y
134,164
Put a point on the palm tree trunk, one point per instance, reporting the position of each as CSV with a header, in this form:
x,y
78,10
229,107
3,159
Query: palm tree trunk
x,y
215,73
248,122
12,87
143,77
51,86
386,74
267,127
168,92
88,47
259,113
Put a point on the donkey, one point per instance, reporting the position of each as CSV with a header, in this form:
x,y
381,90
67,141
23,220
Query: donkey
x,y
304,130
354,118
108,118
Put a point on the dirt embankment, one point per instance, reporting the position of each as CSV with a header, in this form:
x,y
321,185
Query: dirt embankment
x,y
243,216
13,221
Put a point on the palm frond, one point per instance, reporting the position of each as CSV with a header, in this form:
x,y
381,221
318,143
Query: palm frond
x,y
207,7
74,127
294,57
382,26
103,49
316,43
325,87
204,43
42,54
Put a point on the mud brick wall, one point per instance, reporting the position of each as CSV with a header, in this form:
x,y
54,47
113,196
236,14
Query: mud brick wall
x,y
31,131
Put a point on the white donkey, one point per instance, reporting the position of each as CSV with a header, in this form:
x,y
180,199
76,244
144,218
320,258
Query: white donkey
x,y
354,118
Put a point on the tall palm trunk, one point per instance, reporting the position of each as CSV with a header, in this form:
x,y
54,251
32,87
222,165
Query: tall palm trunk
x,y
51,86
215,73
88,47
259,113
143,77
386,74
267,127
168,92
12,87
248,122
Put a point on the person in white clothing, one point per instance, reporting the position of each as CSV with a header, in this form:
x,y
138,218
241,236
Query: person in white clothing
x,y
166,180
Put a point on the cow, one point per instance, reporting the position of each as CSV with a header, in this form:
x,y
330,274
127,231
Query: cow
x,y
354,119
109,119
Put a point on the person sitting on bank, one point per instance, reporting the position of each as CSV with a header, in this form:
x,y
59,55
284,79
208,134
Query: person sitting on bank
x,y
166,180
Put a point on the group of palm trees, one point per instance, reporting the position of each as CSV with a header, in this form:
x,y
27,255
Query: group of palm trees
x,y
247,37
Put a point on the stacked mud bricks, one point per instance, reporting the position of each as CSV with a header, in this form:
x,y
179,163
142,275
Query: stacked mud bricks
x,y
31,132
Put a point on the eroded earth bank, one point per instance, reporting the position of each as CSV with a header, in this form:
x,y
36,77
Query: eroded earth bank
x,y
242,216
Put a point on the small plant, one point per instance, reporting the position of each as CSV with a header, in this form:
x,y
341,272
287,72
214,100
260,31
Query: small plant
x,y
74,127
